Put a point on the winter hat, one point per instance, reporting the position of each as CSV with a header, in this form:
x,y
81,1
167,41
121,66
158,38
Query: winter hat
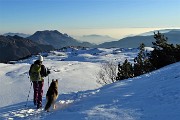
x,y
40,58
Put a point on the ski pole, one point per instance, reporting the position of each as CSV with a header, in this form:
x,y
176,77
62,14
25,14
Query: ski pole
x,y
48,81
28,94
48,76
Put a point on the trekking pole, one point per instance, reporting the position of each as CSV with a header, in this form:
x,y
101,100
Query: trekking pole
x,y
28,94
48,81
48,76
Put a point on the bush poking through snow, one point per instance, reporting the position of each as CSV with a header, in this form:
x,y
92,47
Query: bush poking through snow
x,y
107,74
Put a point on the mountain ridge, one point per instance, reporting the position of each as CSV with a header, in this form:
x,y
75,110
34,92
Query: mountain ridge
x,y
18,34
134,41
56,39
15,48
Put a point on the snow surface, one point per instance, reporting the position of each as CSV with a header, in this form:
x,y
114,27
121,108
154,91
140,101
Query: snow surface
x,y
153,96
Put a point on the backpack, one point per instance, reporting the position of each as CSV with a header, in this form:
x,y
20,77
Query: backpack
x,y
34,72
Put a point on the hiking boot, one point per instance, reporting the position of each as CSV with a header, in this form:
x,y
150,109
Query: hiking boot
x,y
39,106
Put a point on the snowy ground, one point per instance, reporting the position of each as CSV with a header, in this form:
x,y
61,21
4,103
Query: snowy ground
x,y
154,96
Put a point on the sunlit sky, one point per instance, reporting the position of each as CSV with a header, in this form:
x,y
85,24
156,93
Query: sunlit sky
x,y
115,18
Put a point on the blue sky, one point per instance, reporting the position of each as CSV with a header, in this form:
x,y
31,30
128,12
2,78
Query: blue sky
x,y
82,16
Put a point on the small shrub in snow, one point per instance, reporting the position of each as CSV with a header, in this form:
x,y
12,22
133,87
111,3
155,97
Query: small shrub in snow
x,y
107,74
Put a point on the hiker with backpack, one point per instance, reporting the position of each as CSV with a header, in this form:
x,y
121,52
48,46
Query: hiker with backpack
x,y
37,73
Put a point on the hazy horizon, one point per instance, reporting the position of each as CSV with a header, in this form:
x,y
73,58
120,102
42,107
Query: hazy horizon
x,y
116,33
115,18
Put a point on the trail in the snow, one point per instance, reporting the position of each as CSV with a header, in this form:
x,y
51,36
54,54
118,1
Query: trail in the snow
x,y
20,112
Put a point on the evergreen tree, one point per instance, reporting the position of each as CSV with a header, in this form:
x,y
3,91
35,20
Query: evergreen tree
x,y
139,61
125,71
120,72
163,53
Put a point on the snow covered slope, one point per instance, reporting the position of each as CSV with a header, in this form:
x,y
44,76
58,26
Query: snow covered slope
x,y
153,96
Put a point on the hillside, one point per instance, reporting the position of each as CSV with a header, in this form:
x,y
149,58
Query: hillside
x,y
153,96
15,48
135,41
56,39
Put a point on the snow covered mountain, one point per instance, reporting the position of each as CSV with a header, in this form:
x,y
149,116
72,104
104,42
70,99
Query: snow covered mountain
x,y
153,96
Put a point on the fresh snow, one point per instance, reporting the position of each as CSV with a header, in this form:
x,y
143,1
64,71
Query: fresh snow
x,y
152,96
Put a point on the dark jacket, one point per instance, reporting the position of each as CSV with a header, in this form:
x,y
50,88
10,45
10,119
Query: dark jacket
x,y
43,71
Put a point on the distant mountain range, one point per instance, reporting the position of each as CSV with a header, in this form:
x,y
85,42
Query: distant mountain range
x,y
15,48
96,39
18,34
59,40
56,39
134,41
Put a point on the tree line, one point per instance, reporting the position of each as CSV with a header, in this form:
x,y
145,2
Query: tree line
x,y
162,55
